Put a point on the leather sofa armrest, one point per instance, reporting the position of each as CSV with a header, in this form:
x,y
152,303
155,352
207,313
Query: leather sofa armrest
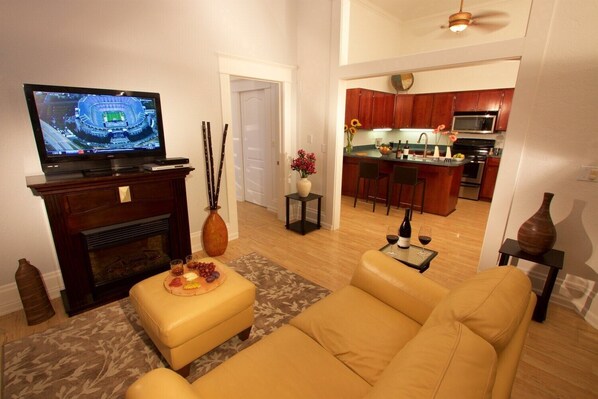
x,y
397,285
161,383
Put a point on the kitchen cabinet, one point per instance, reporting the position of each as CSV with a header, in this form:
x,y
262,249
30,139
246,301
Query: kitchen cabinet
x,y
505,110
490,100
422,110
373,109
403,111
383,105
489,178
359,106
442,110
431,110
479,100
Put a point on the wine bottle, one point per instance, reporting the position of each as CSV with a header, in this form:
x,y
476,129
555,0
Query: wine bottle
x,y
406,150
399,151
405,230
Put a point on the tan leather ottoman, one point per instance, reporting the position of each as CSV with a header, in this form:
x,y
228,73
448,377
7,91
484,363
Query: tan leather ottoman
x,y
186,327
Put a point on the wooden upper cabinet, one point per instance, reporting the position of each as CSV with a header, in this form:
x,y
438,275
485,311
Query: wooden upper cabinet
x,y
403,111
490,100
466,101
373,109
359,106
442,110
505,110
422,110
383,105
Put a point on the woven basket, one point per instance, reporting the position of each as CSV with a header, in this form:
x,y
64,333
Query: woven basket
x,y
33,293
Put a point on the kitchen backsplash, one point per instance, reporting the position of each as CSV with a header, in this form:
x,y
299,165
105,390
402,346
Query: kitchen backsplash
x,y
368,137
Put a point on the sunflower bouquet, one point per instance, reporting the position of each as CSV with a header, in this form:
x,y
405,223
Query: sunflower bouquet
x,y
350,132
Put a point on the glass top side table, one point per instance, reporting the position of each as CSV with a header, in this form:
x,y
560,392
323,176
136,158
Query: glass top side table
x,y
411,256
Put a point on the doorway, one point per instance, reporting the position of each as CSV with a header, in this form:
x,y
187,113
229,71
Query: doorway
x,y
256,132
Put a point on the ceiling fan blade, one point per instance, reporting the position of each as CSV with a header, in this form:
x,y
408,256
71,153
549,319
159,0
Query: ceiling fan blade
x,y
490,14
489,26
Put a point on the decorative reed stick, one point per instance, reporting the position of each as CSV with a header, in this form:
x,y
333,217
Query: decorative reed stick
x,y
211,180
205,150
213,185
221,162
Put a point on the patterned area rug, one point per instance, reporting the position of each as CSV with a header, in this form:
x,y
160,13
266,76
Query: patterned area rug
x,y
98,354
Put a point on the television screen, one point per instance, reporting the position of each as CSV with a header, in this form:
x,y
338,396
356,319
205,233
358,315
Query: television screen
x,y
78,128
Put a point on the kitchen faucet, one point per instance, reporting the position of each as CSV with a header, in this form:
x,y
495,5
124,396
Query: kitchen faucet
x,y
425,143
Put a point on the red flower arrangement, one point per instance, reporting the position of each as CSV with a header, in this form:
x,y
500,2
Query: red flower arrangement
x,y
305,164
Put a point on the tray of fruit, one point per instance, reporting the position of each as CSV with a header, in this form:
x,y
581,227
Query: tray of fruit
x,y
196,279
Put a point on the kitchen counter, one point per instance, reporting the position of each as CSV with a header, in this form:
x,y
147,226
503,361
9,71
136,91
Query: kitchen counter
x,y
417,159
443,180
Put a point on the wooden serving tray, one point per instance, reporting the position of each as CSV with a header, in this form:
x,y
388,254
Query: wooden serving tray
x,y
203,288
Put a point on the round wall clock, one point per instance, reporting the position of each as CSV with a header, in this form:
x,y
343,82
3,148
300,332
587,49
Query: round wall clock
x,y
402,82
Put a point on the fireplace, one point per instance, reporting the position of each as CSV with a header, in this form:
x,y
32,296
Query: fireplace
x,y
126,251
112,231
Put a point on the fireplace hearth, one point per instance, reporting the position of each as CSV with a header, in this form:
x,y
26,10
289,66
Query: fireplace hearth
x,y
112,231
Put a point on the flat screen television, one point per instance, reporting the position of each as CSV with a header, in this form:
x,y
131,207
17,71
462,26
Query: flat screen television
x,y
94,131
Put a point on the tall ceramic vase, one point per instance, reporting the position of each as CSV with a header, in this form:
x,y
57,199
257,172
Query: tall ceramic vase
x,y
303,187
214,234
537,235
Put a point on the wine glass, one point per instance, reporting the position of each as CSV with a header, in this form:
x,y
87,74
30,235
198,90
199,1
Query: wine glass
x,y
424,236
392,236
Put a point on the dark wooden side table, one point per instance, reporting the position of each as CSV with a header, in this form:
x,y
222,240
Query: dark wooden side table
x,y
303,226
553,259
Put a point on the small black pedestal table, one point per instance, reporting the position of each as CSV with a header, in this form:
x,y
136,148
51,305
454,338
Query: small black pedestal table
x,y
553,259
303,226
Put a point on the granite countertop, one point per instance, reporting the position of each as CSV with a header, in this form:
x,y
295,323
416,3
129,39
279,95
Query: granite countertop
x,y
372,153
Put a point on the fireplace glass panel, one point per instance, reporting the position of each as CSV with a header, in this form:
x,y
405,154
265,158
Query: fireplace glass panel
x,y
136,257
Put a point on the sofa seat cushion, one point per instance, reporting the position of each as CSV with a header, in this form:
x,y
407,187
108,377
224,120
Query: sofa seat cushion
x,y
358,329
491,304
446,361
286,364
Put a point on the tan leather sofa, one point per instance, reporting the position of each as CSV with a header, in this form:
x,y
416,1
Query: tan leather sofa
x,y
391,333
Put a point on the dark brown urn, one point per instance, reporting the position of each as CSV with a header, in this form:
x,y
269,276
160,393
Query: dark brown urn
x,y
538,235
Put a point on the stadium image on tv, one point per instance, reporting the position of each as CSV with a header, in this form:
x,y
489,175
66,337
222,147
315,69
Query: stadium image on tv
x,y
86,124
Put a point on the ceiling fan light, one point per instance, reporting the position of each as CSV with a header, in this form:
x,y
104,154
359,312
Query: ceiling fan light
x,y
458,26
458,22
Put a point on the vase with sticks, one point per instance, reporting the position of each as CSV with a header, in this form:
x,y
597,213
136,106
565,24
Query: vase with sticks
x,y
214,231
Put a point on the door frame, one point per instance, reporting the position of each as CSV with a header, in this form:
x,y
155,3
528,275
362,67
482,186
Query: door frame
x,y
284,75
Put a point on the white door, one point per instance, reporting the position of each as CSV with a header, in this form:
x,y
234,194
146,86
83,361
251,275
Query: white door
x,y
254,133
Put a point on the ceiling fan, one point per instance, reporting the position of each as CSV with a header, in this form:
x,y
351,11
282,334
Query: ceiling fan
x,y
459,21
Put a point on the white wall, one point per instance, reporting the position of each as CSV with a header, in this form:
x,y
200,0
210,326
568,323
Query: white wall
x,y
158,45
546,147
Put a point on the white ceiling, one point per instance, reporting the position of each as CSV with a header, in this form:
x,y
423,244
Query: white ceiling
x,y
406,10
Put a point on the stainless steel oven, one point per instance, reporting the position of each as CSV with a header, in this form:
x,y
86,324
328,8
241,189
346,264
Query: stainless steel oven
x,y
476,151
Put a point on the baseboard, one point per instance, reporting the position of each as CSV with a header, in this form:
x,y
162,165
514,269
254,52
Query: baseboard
x,y
10,300
538,279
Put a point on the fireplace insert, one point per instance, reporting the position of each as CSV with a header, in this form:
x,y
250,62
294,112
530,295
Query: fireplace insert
x,y
127,251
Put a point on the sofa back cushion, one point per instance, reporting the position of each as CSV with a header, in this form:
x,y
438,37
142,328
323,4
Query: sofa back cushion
x,y
491,304
445,361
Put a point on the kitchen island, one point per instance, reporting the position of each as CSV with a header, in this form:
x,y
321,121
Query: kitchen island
x,y
442,180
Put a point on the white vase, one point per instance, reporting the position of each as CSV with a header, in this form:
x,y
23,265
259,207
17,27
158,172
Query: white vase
x,y
303,187
436,152
448,154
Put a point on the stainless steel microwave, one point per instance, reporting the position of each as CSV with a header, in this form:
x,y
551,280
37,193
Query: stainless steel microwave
x,y
475,122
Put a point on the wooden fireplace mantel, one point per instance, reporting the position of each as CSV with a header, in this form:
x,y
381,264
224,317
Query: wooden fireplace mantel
x,y
78,204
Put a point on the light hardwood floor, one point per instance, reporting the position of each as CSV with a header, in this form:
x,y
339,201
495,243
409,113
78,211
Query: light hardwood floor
x,y
561,355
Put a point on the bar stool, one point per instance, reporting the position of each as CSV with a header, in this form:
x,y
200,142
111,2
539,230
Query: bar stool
x,y
369,171
408,176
